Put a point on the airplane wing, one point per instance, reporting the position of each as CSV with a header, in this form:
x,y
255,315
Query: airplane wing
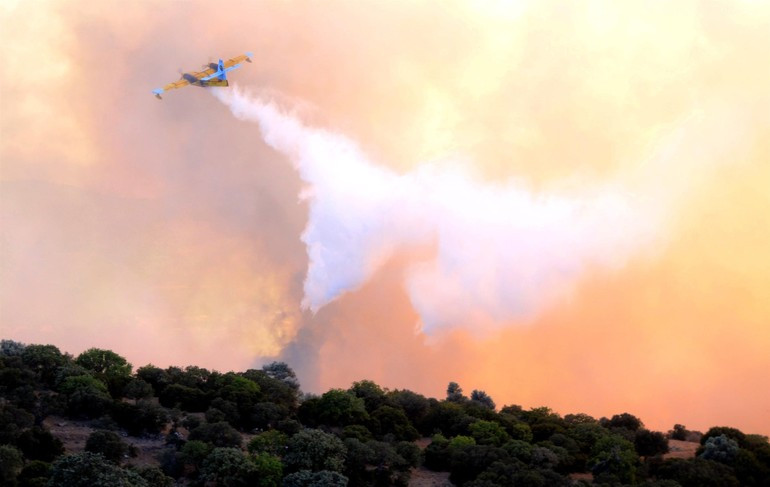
x,y
238,59
184,81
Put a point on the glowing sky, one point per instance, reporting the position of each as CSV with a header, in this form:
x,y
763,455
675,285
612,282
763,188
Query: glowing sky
x,y
563,204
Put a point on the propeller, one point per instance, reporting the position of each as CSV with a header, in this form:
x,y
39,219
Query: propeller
x,y
208,64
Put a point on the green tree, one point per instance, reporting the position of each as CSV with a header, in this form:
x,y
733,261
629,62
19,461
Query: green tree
x,y
218,434
732,433
720,448
108,366
437,453
89,469
415,405
579,418
140,418
489,433
34,474
185,398
13,421
372,394
697,472
469,461
340,408
650,443
37,443
194,452
520,450
44,360
482,399
306,478
273,442
625,420
10,348
280,371
679,432
155,376
357,431
269,470
314,450
282,393
358,458
85,381
86,396
266,415
155,477
10,464
449,418
137,389
454,392
614,459
228,467
393,421
107,443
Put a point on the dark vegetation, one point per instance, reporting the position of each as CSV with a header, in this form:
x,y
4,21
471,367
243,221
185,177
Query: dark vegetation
x,y
255,428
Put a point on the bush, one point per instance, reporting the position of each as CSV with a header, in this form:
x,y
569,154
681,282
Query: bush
x,y
697,473
155,376
218,434
393,421
44,360
269,470
189,399
137,419
12,421
489,433
89,469
437,453
10,464
107,443
39,444
137,389
650,443
34,474
108,366
86,396
228,466
272,442
306,478
194,452
625,420
155,477
314,450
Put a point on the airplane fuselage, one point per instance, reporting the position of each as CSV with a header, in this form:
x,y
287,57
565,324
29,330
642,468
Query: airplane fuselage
x,y
204,83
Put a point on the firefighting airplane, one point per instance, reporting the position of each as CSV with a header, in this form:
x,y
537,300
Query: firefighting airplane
x,y
214,75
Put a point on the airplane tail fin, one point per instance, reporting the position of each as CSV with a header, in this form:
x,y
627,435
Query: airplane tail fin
x,y
222,73
157,93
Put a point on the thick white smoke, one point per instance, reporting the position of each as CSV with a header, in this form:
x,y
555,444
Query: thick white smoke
x,y
502,252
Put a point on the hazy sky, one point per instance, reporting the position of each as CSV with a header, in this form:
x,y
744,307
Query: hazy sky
x,y
563,204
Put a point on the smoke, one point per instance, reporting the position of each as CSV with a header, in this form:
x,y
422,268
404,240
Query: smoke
x,y
502,251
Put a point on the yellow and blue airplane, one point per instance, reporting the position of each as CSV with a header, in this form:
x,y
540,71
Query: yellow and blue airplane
x,y
214,75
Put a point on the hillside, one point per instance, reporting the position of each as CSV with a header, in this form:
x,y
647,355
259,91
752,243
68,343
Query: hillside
x,y
93,420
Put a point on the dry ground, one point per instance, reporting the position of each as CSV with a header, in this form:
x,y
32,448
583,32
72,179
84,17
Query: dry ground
x,y
681,449
75,433
422,477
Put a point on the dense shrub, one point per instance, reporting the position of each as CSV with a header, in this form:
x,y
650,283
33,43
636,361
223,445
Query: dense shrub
x,y
38,443
108,444
218,434
365,434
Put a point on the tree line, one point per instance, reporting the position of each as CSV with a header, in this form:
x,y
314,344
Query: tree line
x,y
257,428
